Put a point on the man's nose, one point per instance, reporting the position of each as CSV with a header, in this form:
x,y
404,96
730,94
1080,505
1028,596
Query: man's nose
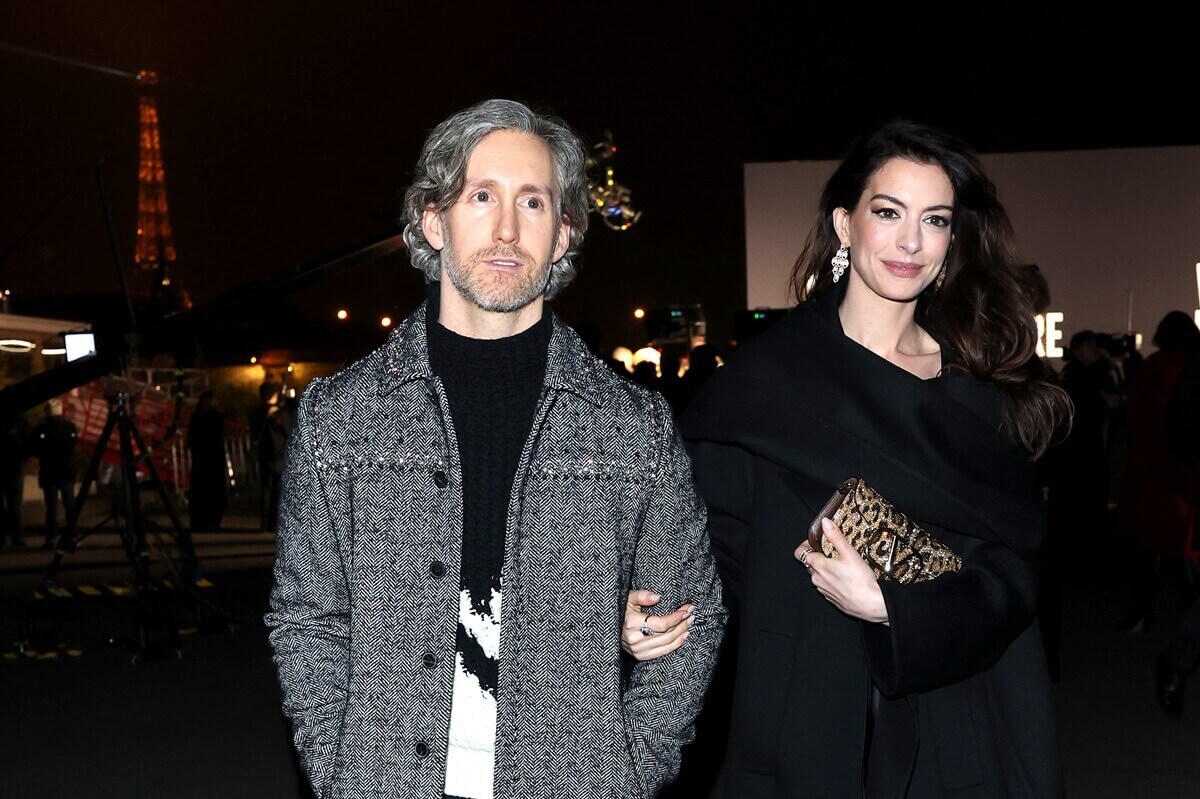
x,y
507,231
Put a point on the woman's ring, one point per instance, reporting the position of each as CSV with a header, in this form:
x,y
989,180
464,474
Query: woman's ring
x,y
804,557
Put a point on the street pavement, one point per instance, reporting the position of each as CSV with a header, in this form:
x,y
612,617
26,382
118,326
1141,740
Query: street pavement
x,y
83,719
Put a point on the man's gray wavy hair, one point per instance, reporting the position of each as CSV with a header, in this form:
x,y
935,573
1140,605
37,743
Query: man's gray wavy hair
x,y
442,172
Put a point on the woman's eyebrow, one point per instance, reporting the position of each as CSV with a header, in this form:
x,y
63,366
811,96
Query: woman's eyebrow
x,y
892,199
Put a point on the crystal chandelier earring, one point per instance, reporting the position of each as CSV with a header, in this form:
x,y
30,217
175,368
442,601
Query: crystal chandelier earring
x,y
840,261
941,278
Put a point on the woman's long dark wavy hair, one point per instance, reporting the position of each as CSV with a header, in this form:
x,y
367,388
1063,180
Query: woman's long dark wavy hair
x,y
984,308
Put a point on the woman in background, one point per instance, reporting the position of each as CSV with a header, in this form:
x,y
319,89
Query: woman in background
x,y
1157,508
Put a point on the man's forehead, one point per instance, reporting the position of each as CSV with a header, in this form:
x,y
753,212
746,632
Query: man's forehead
x,y
511,157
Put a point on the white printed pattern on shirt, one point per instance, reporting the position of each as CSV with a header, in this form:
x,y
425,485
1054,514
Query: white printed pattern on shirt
x,y
470,759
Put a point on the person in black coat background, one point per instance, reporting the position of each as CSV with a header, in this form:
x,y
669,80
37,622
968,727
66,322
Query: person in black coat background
x,y
267,436
52,442
14,434
207,496
910,362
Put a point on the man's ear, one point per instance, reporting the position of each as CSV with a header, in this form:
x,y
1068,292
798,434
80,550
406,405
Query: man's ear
x,y
562,240
431,226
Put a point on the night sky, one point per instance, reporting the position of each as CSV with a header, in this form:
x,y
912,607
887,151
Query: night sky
x,y
289,129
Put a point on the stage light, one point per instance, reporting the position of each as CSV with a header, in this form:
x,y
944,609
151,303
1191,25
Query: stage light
x,y
625,356
639,313
55,351
610,199
16,345
79,345
647,354
343,314
253,359
386,321
290,369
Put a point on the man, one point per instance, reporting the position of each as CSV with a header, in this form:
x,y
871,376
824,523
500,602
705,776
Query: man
x,y
465,509
207,498
53,443
13,443
267,436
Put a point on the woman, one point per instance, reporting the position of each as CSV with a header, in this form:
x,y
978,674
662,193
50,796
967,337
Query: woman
x,y
910,362
1161,488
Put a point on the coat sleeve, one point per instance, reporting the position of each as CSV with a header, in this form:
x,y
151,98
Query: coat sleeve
x,y
944,630
724,478
663,696
310,614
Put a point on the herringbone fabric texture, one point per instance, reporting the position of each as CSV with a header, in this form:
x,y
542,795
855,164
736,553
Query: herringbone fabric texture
x,y
365,603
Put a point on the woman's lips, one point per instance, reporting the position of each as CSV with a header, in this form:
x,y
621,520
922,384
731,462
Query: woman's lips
x,y
903,269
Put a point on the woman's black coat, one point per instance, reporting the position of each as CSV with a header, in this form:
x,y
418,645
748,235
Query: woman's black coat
x,y
953,697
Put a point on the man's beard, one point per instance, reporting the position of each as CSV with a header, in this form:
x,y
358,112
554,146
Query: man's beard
x,y
491,289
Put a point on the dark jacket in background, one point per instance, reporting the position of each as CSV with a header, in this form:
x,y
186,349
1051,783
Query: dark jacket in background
x,y
1077,469
14,445
209,476
52,442
14,436
963,705
1160,491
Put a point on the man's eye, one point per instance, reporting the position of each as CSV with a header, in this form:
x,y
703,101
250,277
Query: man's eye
x,y
534,203
481,196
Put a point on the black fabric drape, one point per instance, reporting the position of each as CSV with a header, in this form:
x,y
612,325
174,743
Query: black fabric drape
x,y
965,701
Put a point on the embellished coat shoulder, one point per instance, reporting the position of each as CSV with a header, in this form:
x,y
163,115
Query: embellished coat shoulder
x,y
628,423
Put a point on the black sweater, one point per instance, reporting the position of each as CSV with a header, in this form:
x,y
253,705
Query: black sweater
x,y
492,387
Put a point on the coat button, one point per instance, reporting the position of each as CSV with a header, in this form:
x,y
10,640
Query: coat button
x,y
439,478
437,569
422,749
430,660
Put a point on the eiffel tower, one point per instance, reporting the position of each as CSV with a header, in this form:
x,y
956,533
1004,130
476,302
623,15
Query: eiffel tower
x,y
154,254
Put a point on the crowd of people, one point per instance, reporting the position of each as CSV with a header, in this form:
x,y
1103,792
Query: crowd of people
x,y
268,426
1134,445
53,442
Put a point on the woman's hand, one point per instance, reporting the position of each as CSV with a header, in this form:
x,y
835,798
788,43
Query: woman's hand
x,y
667,632
846,581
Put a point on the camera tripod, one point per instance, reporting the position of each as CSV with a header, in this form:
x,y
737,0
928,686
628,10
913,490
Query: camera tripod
x,y
156,634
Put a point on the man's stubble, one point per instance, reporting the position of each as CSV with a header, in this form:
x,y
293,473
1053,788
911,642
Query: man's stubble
x,y
491,290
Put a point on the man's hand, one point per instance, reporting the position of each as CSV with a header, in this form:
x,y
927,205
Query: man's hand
x,y
667,632
846,581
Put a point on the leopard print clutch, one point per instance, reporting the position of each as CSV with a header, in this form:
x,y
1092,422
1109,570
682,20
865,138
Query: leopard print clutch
x,y
894,547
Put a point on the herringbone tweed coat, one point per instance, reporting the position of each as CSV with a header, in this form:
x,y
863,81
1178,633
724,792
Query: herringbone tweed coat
x,y
365,603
